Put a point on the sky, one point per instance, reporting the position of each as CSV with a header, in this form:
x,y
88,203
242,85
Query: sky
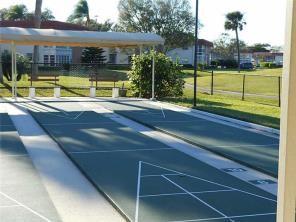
x,y
265,18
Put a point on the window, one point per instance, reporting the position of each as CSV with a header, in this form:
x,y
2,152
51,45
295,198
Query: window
x,y
29,56
63,59
45,59
52,60
112,58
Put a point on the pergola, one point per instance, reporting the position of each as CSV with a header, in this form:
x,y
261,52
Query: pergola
x,y
50,37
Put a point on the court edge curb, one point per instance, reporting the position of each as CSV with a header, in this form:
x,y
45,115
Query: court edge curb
x,y
198,145
226,119
109,199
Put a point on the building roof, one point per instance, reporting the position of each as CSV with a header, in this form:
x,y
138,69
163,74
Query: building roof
x,y
205,42
44,25
53,37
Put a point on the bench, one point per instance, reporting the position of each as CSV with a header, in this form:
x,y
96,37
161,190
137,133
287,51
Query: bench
x,y
45,78
97,78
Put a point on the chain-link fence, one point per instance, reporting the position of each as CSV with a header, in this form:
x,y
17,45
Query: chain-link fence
x,y
76,79
73,79
258,88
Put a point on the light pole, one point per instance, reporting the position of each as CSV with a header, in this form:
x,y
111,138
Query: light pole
x,y
195,53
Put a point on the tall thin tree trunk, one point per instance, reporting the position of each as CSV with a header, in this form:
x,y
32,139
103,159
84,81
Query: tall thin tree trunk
x,y
238,51
1,70
37,23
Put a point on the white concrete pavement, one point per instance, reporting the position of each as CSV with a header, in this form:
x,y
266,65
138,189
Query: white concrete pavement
x,y
74,197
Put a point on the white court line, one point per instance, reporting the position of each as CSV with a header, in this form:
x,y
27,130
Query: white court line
x,y
113,151
79,115
162,112
195,192
11,155
85,123
159,175
219,218
8,206
228,187
195,197
26,207
176,121
52,112
262,145
138,192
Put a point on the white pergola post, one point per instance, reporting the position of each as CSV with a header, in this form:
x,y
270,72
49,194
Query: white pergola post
x,y
287,162
153,73
141,49
13,70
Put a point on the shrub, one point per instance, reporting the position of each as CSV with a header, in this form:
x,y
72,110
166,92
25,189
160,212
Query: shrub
x,y
200,66
168,80
23,65
264,64
227,63
272,65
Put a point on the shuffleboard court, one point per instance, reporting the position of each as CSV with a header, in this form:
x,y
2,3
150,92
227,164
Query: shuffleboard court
x,y
22,194
147,180
250,148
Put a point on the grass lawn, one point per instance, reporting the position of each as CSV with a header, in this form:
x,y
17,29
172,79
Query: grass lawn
x,y
263,81
232,107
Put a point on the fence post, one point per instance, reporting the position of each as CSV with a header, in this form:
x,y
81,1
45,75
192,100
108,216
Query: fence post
x,y
31,75
212,83
244,83
279,78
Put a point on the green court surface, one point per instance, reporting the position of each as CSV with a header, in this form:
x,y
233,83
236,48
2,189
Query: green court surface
x,y
249,148
22,194
145,179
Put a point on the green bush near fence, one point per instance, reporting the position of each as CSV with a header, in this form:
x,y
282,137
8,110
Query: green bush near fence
x,y
168,80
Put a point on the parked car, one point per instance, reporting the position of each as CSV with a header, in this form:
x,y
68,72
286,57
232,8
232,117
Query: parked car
x,y
247,65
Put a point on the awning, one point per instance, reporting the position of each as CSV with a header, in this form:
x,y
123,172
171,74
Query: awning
x,y
52,37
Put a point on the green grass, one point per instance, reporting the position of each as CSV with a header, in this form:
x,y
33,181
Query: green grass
x,y
263,72
232,107
264,82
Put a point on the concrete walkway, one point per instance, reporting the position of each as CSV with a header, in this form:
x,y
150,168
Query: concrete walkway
x,y
72,194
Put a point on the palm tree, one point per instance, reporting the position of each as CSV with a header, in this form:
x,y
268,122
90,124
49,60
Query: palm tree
x,y
81,11
235,22
14,12
37,23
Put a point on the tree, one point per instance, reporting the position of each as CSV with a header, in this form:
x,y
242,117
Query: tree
x,y
37,23
14,12
260,47
81,11
235,22
168,80
23,65
172,19
101,27
93,55
20,12
225,47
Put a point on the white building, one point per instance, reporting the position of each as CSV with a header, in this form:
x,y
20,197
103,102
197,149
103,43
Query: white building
x,y
257,57
186,55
